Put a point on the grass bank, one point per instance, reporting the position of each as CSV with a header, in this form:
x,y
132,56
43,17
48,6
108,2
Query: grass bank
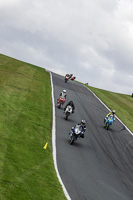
x,y
26,169
122,103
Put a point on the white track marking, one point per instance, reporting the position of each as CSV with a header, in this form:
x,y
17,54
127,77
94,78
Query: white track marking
x,y
109,110
54,141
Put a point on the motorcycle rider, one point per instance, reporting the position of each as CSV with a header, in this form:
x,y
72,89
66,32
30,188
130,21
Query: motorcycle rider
x,y
70,103
73,78
70,76
109,114
63,94
83,125
67,76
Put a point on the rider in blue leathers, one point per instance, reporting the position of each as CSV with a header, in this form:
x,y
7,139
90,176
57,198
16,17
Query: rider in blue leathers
x,y
109,114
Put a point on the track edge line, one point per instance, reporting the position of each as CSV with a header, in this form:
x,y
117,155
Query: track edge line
x,y
54,141
110,110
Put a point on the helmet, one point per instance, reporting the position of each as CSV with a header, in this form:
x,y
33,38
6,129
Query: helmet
x,y
113,111
83,122
71,102
64,91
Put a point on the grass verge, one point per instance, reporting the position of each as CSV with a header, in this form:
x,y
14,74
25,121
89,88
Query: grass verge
x,y
122,103
26,169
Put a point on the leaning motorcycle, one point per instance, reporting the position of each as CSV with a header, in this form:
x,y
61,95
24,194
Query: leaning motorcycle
x,y
75,133
60,102
68,111
66,78
73,78
108,122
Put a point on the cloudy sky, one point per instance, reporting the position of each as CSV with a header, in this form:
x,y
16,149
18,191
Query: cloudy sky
x,y
93,39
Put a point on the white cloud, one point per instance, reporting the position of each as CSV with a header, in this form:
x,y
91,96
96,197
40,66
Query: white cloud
x,y
93,39
4,3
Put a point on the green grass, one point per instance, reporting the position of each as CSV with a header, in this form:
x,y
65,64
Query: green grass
x,y
122,103
26,169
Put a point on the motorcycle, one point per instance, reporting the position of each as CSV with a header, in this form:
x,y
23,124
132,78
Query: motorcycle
x,y
75,133
66,78
60,102
108,122
68,111
73,78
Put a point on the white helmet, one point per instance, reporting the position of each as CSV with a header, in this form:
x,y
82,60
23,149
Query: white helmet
x,y
113,111
64,91
83,122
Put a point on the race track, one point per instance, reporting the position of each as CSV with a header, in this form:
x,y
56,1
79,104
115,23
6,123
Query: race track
x,y
100,166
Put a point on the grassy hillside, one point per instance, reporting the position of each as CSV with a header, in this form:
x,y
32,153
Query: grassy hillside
x,y
26,169
123,104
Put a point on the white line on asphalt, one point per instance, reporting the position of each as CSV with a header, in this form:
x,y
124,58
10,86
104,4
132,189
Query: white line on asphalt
x,y
54,141
109,110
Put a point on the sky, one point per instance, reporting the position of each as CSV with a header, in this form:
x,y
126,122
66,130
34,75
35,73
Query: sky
x,y
92,39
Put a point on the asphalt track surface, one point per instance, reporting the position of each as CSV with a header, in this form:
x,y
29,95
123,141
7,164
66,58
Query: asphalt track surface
x,y
100,166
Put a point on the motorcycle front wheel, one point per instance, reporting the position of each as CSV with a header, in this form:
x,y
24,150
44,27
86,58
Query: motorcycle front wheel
x,y
71,141
59,105
107,127
66,117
